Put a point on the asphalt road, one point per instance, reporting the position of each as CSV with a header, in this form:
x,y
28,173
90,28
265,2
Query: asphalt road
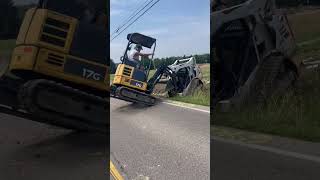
x,y
160,142
30,150
244,162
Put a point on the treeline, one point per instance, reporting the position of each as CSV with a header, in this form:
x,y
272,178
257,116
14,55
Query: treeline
x,y
201,59
113,66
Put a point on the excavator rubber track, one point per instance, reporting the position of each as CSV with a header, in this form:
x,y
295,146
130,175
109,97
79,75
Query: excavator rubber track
x,y
56,104
134,96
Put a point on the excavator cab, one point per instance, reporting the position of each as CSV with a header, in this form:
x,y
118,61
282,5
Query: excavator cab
x,y
130,73
130,82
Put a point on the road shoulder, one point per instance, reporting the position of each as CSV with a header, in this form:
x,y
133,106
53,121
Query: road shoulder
x,y
264,140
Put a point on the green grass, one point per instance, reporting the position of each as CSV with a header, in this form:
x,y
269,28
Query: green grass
x,y
311,49
205,69
294,115
297,114
305,26
199,97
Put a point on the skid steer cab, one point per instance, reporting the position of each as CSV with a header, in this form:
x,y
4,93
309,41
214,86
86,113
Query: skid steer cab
x,y
130,82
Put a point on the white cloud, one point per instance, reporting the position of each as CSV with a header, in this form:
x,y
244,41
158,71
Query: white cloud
x,y
123,2
186,39
181,38
154,32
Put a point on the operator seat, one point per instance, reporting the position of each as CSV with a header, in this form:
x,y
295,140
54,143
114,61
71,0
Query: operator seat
x,y
138,74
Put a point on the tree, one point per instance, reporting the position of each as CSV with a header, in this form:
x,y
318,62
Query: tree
x,y
146,62
201,59
113,67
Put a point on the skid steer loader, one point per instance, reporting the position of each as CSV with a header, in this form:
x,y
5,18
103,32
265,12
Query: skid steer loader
x,y
189,77
58,73
260,63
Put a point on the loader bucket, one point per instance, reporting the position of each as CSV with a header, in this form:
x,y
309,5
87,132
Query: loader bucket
x,y
194,85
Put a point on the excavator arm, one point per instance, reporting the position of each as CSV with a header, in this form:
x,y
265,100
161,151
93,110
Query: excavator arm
x,y
171,86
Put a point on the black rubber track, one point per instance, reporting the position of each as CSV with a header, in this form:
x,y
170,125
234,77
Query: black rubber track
x,y
63,106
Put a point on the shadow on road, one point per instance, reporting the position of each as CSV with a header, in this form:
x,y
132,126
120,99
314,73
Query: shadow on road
x,y
68,156
136,107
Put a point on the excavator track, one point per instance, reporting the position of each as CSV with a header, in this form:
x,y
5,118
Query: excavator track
x,y
131,95
56,104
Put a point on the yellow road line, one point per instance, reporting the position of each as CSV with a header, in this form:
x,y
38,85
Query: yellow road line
x,y
114,172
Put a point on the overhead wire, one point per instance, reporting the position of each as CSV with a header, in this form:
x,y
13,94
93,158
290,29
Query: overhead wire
x,y
136,19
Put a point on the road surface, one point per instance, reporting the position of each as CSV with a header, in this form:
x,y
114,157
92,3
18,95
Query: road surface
x,y
233,160
30,150
160,142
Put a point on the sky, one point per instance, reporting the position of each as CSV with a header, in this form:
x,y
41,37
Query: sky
x,y
181,27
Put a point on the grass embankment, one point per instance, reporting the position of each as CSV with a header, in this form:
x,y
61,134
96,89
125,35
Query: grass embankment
x,y
305,26
200,97
296,114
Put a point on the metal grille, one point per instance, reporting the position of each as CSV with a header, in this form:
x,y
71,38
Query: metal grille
x,y
55,59
55,32
127,71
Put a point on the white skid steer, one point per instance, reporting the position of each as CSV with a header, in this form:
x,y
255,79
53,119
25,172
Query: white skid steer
x,y
189,78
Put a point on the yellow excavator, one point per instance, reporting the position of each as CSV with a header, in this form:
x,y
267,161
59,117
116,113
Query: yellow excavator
x,y
131,82
58,71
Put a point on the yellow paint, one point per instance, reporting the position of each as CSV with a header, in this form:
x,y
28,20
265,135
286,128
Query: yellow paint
x,y
114,172
30,33
24,26
23,60
43,67
121,79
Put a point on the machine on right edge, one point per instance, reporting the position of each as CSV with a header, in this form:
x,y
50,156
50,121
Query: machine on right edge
x,y
252,49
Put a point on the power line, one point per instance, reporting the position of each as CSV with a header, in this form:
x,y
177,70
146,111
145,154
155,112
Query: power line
x,y
130,18
135,19
132,15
